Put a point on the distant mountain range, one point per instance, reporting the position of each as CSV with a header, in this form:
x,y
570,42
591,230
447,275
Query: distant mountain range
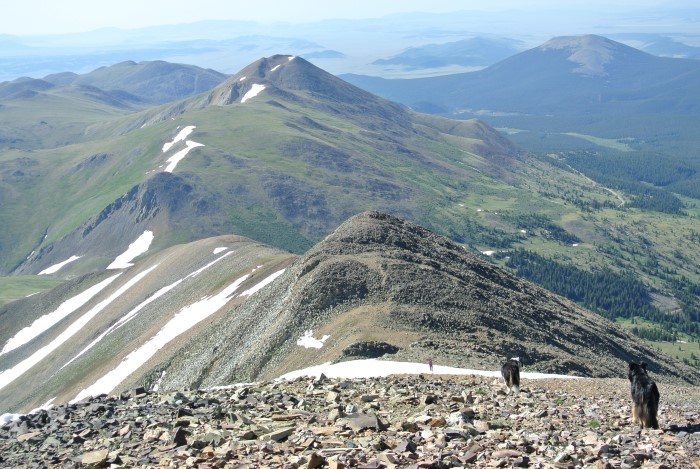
x,y
34,112
577,75
350,45
570,93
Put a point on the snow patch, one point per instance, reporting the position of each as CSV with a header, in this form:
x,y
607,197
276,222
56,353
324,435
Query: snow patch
x,y
177,157
275,67
308,341
156,386
179,137
242,78
292,57
252,92
262,284
136,248
55,268
488,253
219,249
46,321
372,367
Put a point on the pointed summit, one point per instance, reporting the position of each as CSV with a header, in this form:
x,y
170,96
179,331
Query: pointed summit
x,y
292,77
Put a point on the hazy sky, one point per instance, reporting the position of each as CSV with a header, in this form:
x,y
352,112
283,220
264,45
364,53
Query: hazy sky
x,y
30,17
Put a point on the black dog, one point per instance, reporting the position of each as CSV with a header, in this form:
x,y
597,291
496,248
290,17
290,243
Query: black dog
x,y
645,396
511,374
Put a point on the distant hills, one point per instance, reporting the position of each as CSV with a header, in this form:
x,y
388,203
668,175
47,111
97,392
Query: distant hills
x,y
564,77
349,45
477,52
59,108
144,83
573,93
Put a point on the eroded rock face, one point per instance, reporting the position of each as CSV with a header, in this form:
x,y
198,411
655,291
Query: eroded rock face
x,y
369,349
410,421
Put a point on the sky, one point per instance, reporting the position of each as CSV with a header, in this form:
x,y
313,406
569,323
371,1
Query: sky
x,y
37,17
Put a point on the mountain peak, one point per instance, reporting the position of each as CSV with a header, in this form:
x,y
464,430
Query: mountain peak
x,y
592,53
292,77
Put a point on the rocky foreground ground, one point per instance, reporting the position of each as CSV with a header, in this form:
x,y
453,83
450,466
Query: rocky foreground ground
x,y
424,421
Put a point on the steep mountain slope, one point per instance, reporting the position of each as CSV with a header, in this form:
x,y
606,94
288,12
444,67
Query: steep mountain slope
x,y
227,310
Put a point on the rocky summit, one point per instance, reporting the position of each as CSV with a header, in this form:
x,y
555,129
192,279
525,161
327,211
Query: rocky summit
x,y
417,421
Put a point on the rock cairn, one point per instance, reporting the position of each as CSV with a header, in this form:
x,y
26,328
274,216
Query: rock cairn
x,y
422,421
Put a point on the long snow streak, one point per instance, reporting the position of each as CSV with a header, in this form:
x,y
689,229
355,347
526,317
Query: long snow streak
x,y
46,321
179,137
177,157
132,314
136,248
55,268
372,367
9,375
126,318
262,284
187,318
22,367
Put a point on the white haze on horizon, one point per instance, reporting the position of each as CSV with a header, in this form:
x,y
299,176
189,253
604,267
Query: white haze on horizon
x,y
71,16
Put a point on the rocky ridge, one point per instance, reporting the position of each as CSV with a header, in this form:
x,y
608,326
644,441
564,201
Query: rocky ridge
x,y
416,421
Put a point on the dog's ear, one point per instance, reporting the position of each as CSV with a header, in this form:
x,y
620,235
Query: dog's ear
x,y
644,365
632,365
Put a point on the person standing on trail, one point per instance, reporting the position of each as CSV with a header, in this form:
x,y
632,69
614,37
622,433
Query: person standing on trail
x,y
430,364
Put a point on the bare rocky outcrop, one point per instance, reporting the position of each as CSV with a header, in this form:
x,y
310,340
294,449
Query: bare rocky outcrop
x,y
381,278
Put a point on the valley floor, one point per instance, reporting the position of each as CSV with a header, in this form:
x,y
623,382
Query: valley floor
x,y
420,420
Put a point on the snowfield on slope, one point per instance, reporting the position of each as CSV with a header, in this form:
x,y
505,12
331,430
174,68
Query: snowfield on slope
x,y
372,368
56,267
187,318
135,249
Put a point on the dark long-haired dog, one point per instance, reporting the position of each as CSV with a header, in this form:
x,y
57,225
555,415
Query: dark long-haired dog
x,y
645,396
511,374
